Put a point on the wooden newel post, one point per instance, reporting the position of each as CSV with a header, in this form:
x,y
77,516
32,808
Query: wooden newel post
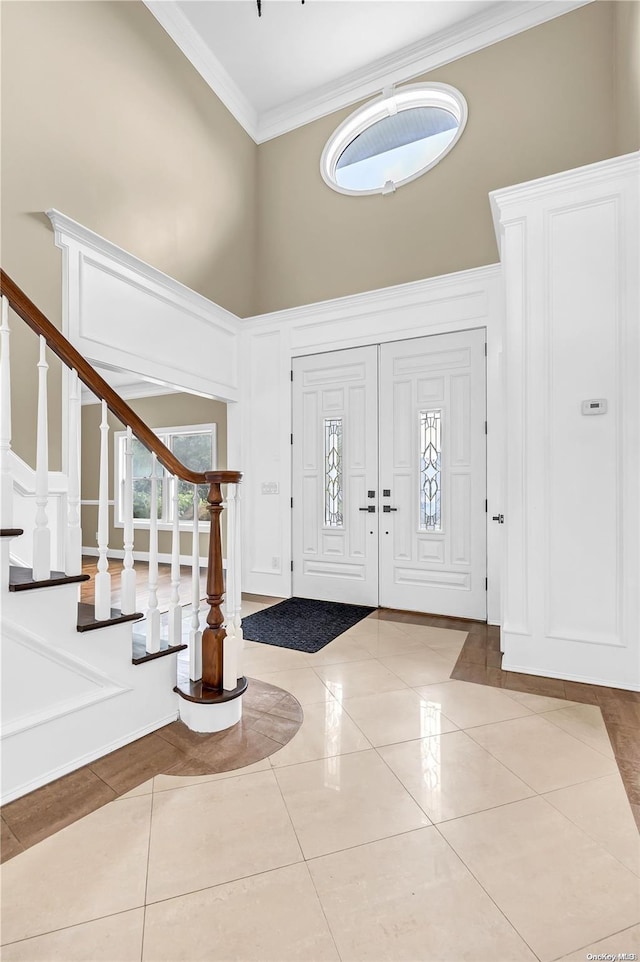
x,y
214,634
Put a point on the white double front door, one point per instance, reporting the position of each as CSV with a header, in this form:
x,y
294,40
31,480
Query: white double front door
x,y
389,475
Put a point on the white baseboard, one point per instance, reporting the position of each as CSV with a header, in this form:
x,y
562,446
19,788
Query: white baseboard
x,y
163,557
583,679
86,759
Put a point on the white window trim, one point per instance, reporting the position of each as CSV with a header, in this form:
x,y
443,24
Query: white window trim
x,y
390,102
118,474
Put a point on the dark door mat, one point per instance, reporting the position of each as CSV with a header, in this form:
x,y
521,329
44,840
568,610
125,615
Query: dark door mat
x,y
302,624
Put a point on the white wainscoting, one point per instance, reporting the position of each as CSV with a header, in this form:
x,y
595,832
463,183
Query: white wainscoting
x,y
456,302
121,313
84,699
572,503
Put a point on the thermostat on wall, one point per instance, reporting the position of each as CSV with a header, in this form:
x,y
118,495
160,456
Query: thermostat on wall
x,y
594,406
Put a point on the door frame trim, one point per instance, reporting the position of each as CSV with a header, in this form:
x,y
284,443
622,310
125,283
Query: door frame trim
x,y
453,302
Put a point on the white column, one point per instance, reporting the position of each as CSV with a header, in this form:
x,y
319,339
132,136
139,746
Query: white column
x,y
153,613
128,578
103,578
230,647
42,534
73,542
175,611
236,554
6,489
195,635
229,584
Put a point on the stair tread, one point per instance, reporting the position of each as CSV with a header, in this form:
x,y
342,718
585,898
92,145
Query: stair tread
x,y
140,653
11,532
196,692
21,579
87,617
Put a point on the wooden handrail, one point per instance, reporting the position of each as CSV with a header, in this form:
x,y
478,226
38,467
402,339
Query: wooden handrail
x,y
57,342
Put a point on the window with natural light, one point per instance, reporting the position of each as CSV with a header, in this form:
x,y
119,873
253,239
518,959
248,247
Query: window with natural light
x,y
394,139
194,445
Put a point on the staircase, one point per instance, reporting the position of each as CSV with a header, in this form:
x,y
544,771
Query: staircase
x,y
80,680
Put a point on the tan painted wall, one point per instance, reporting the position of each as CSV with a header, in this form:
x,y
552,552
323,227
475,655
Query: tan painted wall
x,y
165,411
105,119
539,103
627,75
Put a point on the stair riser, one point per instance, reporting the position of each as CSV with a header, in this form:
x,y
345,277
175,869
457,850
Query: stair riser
x,y
43,608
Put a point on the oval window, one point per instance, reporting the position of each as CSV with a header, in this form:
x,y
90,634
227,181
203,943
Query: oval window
x,y
394,139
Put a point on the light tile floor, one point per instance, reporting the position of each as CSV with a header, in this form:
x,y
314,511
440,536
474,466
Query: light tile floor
x,y
411,818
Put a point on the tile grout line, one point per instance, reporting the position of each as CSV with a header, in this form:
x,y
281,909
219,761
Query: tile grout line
x,y
579,738
146,878
627,928
73,925
488,681
322,909
488,894
522,779
596,841
490,808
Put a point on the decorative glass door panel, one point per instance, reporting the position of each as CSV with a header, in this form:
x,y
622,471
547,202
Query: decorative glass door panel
x,y
335,464
433,463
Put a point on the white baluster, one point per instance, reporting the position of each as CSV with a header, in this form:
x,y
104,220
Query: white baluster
x,y
42,534
175,611
195,635
103,578
73,543
128,577
229,649
236,560
153,613
6,489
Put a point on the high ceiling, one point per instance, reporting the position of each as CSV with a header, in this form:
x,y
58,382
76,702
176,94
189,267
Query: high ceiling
x,y
296,63
292,50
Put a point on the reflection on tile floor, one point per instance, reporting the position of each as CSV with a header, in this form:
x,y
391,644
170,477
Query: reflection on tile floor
x,y
412,817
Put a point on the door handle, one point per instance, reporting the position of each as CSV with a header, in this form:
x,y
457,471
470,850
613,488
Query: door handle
x,y
371,509
387,508
499,518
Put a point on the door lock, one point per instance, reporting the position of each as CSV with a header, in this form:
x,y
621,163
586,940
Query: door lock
x,y
499,518
371,508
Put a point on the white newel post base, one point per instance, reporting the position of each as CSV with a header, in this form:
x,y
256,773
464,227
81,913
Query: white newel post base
x,y
210,718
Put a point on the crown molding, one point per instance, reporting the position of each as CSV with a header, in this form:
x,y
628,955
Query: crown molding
x,y
503,20
506,202
567,179
186,37
370,303
499,22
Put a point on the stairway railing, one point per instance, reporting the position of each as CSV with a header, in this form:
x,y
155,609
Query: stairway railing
x,y
215,654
